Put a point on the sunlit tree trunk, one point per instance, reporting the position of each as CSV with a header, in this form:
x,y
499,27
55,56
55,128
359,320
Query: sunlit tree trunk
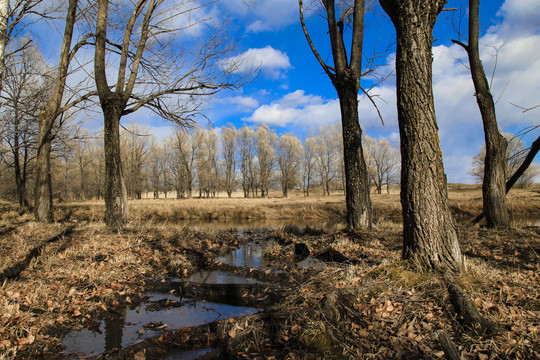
x,y
43,206
429,230
345,75
116,209
494,182
4,10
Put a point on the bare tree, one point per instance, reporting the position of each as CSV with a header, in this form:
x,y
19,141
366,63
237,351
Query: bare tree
x,y
246,148
135,149
186,148
429,230
266,156
327,156
345,75
308,163
514,156
228,144
494,185
154,167
207,164
383,161
23,92
150,70
51,117
290,153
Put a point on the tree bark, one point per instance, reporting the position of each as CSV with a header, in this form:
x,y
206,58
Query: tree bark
x,y
493,186
357,198
43,204
116,209
4,12
429,231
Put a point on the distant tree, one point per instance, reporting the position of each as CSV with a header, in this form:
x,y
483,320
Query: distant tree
x,y
154,168
228,144
135,149
96,179
246,150
327,156
24,91
514,156
207,163
345,74
82,157
429,230
308,163
186,148
266,156
383,161
289,156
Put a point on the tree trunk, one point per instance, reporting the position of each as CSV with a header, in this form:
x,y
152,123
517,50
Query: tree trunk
x,y
359,209
4,12
116,209
494,183
43,206
429,231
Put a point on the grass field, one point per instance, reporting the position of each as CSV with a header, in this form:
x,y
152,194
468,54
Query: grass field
x,y
465,201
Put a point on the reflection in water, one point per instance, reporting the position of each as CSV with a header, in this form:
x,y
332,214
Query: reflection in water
x,y
219,277
250,255
186,355
114,331
124,330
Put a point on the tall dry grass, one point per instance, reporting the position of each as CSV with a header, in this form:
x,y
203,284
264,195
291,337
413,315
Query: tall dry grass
x,y
465,202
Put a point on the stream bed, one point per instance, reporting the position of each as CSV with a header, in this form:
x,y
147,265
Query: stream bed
x,y
168,310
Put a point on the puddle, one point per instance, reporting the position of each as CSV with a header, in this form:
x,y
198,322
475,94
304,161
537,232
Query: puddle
x,y
147,321
220,277
250,255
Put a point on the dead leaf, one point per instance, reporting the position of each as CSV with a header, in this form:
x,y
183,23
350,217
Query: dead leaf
x,y
232,333
295,329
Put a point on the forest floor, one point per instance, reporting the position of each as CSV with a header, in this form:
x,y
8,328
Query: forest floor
x,y
365,303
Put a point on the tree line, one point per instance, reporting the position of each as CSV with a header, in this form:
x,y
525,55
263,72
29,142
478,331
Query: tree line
x,y
196,162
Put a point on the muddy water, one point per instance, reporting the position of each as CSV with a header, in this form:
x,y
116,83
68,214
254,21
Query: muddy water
x,y
168,311
160,311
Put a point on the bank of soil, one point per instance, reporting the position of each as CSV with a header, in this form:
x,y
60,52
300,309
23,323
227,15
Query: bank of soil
x,y
362,302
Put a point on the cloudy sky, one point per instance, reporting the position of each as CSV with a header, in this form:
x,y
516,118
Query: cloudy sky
x,y
292,93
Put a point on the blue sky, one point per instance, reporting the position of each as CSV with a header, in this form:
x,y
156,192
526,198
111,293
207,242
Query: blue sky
x,y
292,94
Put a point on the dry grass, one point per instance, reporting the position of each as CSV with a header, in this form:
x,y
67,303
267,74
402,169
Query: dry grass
x,y
465,201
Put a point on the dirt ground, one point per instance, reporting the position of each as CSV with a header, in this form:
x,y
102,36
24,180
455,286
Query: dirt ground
x,y
366,304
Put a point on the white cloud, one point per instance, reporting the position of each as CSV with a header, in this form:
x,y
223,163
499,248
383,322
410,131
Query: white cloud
x,y
265,15
243,103
297,109
519,17
273,63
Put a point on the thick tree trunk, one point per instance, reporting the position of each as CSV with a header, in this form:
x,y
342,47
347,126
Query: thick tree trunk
x,y
357,197
116,208
429,231
494,184
43,205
